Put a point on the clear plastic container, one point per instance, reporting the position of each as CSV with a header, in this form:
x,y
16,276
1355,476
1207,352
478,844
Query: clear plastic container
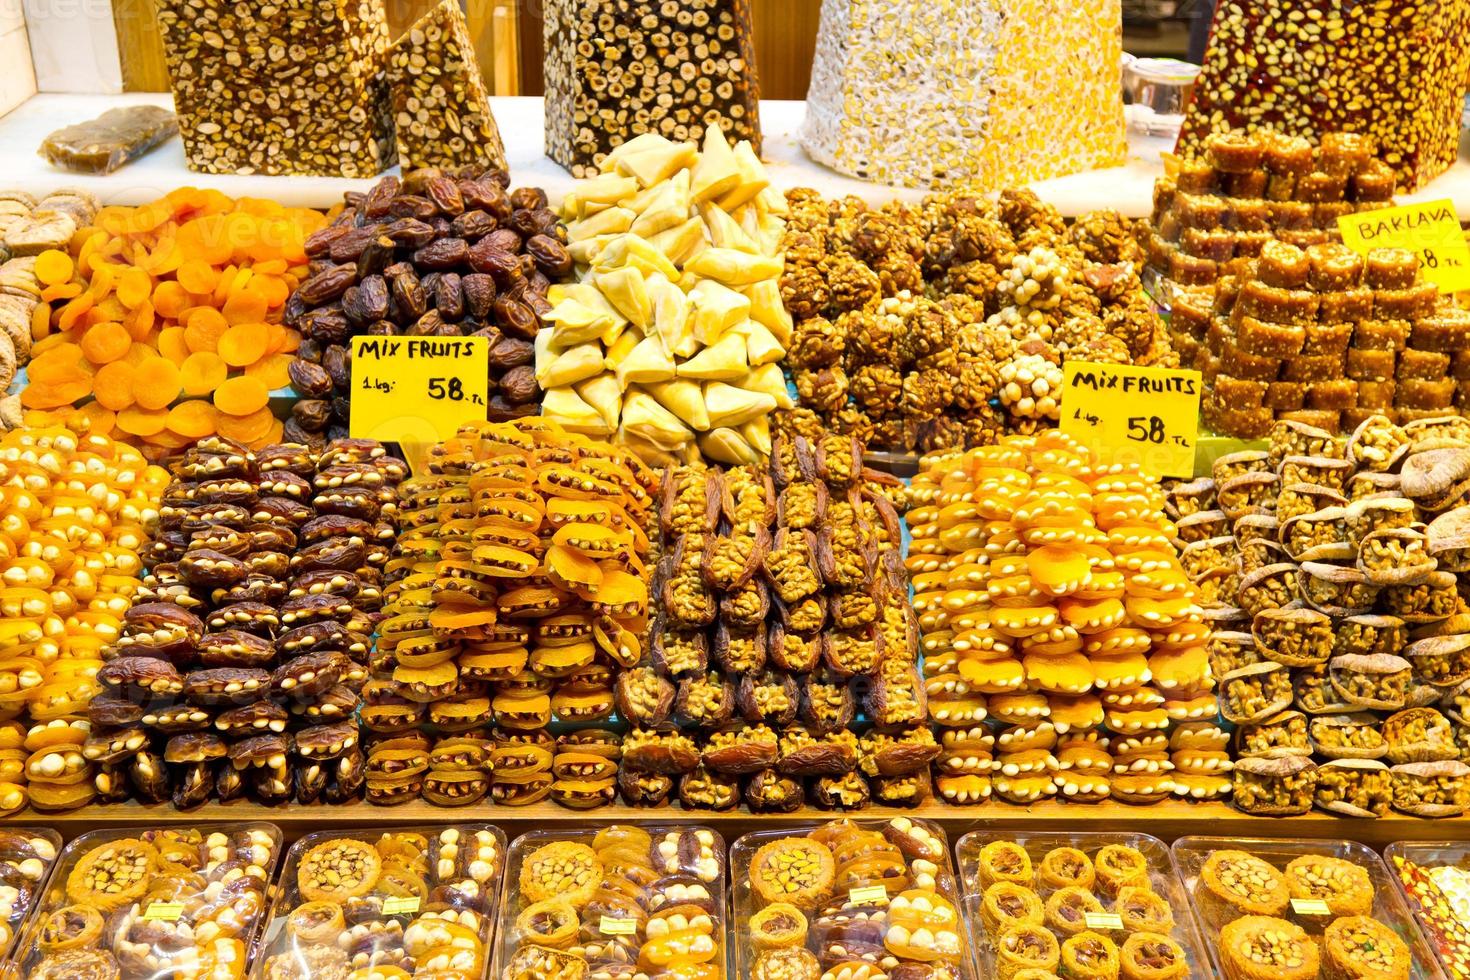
x,y
27,855
1073,913
153,905
868,886
1434,878
619,901
1313,913
403,902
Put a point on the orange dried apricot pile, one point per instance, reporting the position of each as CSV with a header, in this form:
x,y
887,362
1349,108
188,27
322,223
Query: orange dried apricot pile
x,y
162,323
73,516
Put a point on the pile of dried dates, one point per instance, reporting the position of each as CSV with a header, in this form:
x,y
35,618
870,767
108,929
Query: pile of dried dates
x,y
237,670
435,254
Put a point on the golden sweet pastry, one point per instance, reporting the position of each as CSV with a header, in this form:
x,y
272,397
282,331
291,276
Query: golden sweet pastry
x,y
778,926
1236,883
1006,904
796,870
1025,947
1152,956
1067,910
1344,886
1089,956
337,870
1143,910
1118,865
1003,860
315,922
1258,947
1062,867
113,874
1356,947
563,869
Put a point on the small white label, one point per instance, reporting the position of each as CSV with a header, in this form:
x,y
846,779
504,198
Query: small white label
x,y
1102,920
401,905
163,912
868,895
1310,906
611,925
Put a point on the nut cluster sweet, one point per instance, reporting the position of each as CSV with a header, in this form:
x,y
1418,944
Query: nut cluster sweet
x,y
1437,894
280,89
1369,57
671,338
438,253
618,71
1329,568
1074,907
187,901
589,903
839,898
882,78
238,670
74,517
516,592
782,610
1052,601
400,903
945,325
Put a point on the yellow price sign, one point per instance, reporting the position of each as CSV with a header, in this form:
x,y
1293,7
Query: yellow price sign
x,y
1431,230
417,390
401,905
163,912
1143,415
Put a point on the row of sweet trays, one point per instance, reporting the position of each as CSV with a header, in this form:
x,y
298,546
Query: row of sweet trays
x,y
847,899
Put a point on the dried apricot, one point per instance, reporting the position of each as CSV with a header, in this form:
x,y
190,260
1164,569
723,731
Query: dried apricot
x,y
53,267
244,344
100,421
142,422
198,276
173,344
193,418
133,287
112,386
273,370
202,372
41,395
245,305
204,329
245,428
156,384
241,396
106,342
62,290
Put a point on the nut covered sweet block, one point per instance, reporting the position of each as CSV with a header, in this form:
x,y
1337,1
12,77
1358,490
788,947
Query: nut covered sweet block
x,y
1363,54
292,88
594,902
1082,622
388,902
101,914
831,899
440,104
617,71
889,105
